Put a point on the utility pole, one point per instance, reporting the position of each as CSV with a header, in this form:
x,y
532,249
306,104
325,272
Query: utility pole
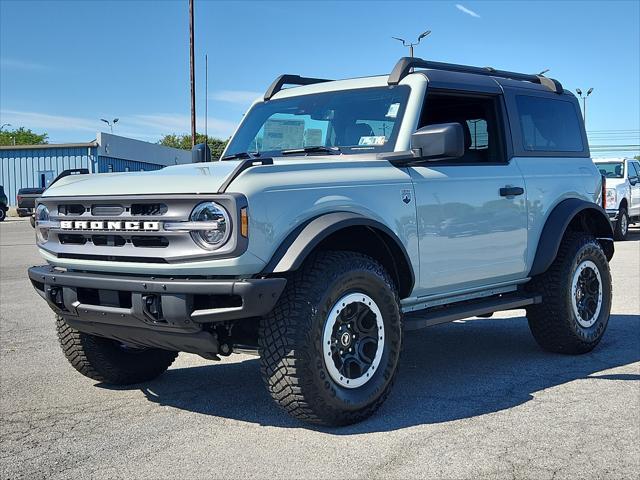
x,y
584,103
206,97
192,76
412,44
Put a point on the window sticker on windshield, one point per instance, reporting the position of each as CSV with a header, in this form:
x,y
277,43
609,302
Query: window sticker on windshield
x,y
393,110
374,140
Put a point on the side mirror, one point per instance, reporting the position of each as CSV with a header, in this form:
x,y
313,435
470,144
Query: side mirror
x,y
439,142
200,153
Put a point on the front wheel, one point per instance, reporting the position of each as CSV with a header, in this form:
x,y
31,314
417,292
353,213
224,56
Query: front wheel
x,y
109,361
576,297
3,214
330,348
622,225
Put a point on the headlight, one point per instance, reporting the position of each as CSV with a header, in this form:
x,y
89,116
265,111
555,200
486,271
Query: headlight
x,y
42,223
611,198
209,225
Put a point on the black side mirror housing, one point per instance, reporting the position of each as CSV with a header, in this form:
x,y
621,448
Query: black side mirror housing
x,y
442,141
200,153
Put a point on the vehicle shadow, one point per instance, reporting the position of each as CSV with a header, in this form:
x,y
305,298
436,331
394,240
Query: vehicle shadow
x,y
448,372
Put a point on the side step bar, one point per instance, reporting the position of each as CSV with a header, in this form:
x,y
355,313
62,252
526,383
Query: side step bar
x,y
434,316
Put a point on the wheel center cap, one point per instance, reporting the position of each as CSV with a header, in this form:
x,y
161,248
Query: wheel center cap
x,y
345,339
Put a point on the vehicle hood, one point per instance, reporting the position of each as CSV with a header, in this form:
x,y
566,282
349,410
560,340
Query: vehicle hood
x,y
188,178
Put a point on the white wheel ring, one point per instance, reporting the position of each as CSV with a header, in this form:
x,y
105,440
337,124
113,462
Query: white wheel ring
x,y
574,287
329,324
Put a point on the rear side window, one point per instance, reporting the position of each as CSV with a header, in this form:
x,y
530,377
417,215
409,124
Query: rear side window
x,y
549,125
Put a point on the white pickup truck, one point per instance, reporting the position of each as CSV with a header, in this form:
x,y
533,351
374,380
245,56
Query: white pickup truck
x,y
623,192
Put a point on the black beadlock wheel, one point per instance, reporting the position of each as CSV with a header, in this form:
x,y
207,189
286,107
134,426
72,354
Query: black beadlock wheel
x,y
330,348
576,297
622,225
109,361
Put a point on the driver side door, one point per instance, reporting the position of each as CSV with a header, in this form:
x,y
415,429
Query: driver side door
x,y
471,211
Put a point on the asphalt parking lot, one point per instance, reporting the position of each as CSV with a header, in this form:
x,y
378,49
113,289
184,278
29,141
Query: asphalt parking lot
x,y
474,399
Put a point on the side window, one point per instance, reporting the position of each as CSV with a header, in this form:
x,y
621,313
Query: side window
x,y
636,167
549,125
479,118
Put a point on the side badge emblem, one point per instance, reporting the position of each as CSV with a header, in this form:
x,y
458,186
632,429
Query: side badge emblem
x,y
406,195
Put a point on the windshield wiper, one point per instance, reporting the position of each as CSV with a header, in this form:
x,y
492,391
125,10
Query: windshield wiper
x,y
316,149
235,156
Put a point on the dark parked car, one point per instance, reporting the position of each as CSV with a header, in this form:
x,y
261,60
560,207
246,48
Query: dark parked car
x,y
3,204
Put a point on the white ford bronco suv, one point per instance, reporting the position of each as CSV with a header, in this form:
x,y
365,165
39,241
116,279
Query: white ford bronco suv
x,y
622,192
342,216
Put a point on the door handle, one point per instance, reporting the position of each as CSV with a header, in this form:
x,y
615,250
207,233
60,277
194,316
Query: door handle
x,y
509,191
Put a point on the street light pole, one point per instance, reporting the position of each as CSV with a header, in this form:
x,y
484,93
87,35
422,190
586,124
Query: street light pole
x,y
192,75
584,103
110,123
412,44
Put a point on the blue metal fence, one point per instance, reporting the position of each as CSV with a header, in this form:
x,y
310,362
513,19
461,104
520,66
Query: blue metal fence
x,y
21,168
110,164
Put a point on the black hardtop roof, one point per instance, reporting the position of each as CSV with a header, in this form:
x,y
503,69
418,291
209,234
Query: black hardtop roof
x,y
448,74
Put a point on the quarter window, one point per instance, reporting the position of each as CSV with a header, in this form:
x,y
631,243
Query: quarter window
x,y
549,125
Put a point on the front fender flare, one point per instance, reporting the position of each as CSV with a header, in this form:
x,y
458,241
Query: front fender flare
x,y
303,240
556,226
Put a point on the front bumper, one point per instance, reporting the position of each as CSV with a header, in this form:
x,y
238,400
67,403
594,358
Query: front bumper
x,y
161,312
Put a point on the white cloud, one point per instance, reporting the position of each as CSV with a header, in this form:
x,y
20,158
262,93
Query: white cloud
x,y
148,127
180,123
12,63
44,121
243,97
466,10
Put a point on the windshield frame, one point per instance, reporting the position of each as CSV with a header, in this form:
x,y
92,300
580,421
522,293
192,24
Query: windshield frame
x,y
389,146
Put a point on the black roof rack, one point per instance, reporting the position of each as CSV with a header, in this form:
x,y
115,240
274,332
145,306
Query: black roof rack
x,y
283,80
405,64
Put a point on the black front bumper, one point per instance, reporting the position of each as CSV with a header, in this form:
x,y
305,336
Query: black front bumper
x,y
161,312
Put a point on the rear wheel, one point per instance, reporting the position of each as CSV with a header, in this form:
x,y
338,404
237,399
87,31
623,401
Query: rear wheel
x,y
330,348
3,214
622,225
109,361
576,303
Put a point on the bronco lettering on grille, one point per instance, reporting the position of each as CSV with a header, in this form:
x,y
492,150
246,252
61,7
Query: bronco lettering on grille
x,y
108,225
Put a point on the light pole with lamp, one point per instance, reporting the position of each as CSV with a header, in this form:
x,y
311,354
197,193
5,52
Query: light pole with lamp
x,y
111,124
584,103
411,45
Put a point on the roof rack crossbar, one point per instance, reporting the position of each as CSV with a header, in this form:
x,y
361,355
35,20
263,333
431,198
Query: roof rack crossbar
x,y
283,80
405,64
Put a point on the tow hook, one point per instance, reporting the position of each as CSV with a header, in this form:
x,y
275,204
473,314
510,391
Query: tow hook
x,y
152,307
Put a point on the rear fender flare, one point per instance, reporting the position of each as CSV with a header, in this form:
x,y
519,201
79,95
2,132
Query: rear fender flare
x,y
556,226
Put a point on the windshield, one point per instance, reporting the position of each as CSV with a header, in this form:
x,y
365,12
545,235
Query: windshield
x,y
611,169
358,121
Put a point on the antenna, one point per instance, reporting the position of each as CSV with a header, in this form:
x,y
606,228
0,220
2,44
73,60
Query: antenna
x,y
206,97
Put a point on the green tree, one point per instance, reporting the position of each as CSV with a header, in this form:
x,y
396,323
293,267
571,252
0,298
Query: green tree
x,y
22,136
637,157
184,142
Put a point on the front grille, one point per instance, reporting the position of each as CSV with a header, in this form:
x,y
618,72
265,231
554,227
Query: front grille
x,y
112,240
148,209
71,209
112,258
107,210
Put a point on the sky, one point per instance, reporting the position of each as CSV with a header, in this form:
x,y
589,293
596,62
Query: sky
x,y
66,64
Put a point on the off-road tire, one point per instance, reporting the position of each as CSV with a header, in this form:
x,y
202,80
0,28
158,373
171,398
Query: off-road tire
x,y
621,227
553,322
107,361
290,340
